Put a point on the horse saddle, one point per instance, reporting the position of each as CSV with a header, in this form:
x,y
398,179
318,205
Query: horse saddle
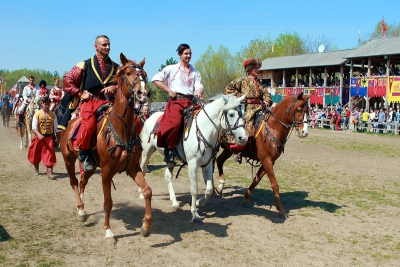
x,y
101,119
188,115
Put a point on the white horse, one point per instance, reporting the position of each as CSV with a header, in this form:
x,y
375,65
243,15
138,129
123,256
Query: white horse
x,y
199,146
25,130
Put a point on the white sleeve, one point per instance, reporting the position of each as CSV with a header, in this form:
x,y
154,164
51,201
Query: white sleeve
x,y
35,122
55,125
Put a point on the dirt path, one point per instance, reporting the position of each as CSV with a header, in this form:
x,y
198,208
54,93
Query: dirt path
x,y
342,200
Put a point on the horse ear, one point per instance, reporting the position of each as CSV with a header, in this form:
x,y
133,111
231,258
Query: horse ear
x,y
300,96
226,99
123,59
240,99
142,62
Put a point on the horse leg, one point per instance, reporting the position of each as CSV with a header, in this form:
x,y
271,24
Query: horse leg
x,y
138,176
274,184
194,190
107,205
207,176
226,154
148,150
168,179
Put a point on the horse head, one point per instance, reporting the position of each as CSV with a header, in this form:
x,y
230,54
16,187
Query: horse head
x,y
297,114
132,79
234,123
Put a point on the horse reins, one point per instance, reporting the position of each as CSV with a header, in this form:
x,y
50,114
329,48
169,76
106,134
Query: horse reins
x,y
133,138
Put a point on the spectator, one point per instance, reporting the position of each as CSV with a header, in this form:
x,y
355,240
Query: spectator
x,y
389,120
381,120
336,117
364,119
373,117
347,118
356,116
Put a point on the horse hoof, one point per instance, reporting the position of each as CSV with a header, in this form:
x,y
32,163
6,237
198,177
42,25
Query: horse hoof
x,y
198,221
82,218
111,240
282,215
246,205
144,233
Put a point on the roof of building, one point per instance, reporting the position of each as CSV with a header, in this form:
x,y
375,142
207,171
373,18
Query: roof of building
x,y
377,47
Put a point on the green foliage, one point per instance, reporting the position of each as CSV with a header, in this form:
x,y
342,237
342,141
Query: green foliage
x,y
392,30
10,78
217,69
289,45
257,48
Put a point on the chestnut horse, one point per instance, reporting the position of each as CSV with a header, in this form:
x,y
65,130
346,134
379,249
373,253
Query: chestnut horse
x,y
118,146
269,144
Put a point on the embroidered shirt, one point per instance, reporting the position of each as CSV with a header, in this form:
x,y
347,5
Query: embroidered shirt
x,y
178,80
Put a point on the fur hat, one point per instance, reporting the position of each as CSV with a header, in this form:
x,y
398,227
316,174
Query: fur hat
x,y
252,63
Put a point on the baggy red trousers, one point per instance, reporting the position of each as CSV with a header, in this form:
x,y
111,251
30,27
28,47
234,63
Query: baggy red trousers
x,y
88,124
170,124
42,150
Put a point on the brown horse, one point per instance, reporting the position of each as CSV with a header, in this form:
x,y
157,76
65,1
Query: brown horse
x,y
6,112
269,144
118,146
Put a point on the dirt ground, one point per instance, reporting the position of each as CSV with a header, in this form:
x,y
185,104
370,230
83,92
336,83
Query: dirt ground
x,y
342,203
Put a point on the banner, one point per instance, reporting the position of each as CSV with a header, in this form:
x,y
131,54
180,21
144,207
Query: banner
x,y
353,86
393,94
316,96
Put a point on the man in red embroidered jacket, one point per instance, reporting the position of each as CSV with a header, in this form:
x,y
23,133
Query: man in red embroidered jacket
x,y
89,80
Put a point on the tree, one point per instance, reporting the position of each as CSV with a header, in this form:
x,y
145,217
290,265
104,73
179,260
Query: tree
x,y
289,44
392,30
217,69
312,44
257,48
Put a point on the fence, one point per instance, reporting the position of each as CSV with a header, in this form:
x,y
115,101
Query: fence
x,y
383,127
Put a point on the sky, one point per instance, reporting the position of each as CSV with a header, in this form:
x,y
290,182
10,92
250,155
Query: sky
x,y
55,35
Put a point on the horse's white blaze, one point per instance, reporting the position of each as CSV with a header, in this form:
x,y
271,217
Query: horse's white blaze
x,y
304,132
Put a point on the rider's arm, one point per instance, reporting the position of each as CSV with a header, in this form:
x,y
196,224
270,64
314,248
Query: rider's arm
x,y
72,81
165,88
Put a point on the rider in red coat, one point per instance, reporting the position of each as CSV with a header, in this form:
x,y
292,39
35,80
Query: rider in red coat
x,y
89,80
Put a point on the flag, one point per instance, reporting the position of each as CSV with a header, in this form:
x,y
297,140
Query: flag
x,y
1,80
14,88
273,47
359,35
383,28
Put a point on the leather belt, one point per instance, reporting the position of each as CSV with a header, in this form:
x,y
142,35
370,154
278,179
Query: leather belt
x,y
182,96
254,101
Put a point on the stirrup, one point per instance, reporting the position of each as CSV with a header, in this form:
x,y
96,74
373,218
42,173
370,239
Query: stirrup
x,y
87,165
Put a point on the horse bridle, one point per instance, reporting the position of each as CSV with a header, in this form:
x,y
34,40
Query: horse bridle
x,y
133,138
295,124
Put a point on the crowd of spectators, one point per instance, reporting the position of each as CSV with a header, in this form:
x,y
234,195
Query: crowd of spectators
x,y
375,120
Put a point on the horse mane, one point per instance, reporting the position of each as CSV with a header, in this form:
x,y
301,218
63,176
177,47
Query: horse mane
x,y
213,108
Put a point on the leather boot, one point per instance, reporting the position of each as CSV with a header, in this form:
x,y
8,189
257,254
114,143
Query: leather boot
x,y
50,173
85,160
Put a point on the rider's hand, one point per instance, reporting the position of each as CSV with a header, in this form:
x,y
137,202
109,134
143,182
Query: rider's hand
x,y
200,93
109,90
86,95
172,94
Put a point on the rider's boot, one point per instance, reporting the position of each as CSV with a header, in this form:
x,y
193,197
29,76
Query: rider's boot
x,y
169,158
36,169
20,120
83,157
